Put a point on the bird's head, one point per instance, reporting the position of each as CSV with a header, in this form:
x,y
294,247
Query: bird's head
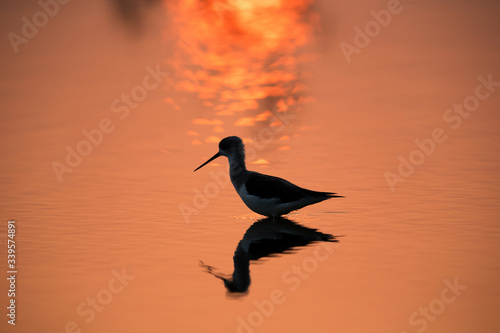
x,y
227,147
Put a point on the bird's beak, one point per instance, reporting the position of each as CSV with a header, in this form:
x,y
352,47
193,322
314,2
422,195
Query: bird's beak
x,y
210,160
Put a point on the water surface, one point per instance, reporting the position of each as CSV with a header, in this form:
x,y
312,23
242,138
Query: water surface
x,y
128,226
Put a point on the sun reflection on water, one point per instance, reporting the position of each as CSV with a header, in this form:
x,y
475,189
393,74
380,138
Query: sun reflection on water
x,y
241,62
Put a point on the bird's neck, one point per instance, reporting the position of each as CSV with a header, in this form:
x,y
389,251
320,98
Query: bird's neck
x,y
241,274
237,164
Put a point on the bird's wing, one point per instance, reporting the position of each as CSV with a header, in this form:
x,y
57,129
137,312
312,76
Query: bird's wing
x,y
265,186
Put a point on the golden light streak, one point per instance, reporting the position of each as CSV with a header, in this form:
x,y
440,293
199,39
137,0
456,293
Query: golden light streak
x,y
239,59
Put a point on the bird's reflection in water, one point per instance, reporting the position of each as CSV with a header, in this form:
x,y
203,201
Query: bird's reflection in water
x,y
265,238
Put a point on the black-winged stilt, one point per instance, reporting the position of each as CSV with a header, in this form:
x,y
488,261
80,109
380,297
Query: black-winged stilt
x,y
265,195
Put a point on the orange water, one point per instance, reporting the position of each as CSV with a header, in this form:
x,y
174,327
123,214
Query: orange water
x,y
120,209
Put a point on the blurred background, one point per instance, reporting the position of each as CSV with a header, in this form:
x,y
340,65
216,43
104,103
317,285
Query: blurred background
x,y
108,106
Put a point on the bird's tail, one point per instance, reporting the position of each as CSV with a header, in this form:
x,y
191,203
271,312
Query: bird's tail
x,y
333,195
322,195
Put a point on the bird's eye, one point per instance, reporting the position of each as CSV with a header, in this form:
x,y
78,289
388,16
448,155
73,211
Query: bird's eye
x,y
223,145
